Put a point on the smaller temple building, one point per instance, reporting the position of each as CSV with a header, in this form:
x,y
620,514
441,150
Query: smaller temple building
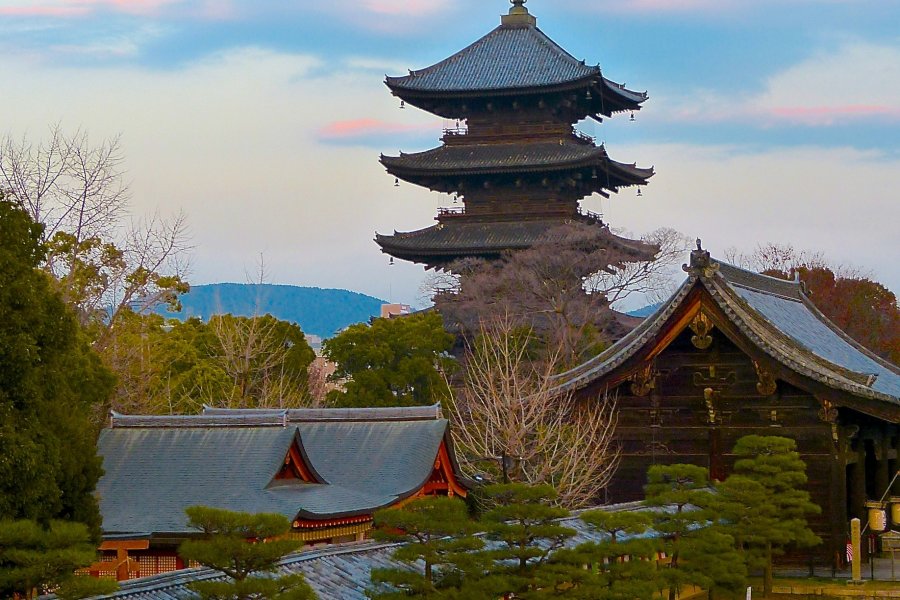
x,y
327,470
735,353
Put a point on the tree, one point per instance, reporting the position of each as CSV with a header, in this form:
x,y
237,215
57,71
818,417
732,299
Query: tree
x,y
245,548
861,307
763,503
556,288
525,527
50,381
507,413
392,362
699,553
35,559
617,568
104,264
438,532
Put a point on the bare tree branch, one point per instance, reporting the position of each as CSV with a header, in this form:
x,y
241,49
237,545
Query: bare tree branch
x,y
507,410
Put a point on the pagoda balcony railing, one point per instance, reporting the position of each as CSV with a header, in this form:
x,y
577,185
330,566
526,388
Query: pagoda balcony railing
x,y
456,211
454,131
585,137
591,215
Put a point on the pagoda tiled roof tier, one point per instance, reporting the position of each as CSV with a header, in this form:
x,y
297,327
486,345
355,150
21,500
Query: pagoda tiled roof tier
x,y
457,238
515,58
778,322
515,158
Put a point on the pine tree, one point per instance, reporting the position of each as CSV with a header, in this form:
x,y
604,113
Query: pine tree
x,y
612,569
246,548
438,535
524,525
698,552
764,503
35,559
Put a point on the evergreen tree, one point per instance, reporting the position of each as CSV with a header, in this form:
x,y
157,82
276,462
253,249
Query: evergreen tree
x,y
617,569
392,362
438,532
764,504
50,384
525,529
246,548
35,559
698,552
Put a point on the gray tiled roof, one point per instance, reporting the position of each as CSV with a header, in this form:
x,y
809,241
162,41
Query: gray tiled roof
x,y
334,573
154,471
509,58
514,158
297,415
459,237
779,319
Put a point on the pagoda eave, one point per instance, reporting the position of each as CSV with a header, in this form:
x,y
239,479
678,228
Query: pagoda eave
x,y
588,96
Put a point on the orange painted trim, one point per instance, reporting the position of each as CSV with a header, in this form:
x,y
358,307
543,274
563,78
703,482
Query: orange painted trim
x,y
125,545
331,523
445,466
295,466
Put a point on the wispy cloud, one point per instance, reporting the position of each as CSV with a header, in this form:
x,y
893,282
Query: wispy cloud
x,y
706,7
372,132
857,82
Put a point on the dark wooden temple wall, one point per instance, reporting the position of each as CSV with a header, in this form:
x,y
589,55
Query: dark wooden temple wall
x,y
695,403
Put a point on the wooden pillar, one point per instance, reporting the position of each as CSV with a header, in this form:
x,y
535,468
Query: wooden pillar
x,y
837,511
858,482
882,471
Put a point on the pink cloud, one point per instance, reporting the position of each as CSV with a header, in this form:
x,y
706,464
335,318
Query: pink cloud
x,y
44,11
77,8
408,8
360,128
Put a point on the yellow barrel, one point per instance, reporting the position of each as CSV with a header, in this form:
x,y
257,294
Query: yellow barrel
x,y
877,516
895,510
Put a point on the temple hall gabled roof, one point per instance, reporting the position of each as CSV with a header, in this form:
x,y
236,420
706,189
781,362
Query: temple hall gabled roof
x,y
778,320
156,467
513,58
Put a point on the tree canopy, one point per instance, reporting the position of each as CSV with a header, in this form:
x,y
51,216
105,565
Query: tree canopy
x,y
246,548
392,362
764,504
50,382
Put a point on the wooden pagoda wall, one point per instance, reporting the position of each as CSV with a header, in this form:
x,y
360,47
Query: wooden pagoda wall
x,y
694,403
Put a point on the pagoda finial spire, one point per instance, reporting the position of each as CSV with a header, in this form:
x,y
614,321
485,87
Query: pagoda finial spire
x,y
518,15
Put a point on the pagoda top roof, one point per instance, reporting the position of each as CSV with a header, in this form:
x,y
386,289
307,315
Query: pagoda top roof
x,y
515,56
778,319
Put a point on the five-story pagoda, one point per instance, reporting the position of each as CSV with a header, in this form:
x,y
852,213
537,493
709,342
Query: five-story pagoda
x,y
519,166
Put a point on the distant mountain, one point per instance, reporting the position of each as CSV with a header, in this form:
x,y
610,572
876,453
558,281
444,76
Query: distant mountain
x,y
317,311
644,312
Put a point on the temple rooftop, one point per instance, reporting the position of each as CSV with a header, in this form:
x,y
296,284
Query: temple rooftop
x,y
515,57
515,158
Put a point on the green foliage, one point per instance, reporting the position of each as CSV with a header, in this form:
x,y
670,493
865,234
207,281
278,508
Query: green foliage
x,y
438,532
50,383
699,553
525,526
245,548
615,569
392,362
763,504
236,362
33,557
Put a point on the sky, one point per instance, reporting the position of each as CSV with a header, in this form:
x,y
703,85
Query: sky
x,y
768,120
